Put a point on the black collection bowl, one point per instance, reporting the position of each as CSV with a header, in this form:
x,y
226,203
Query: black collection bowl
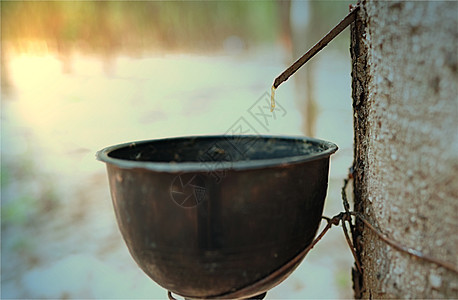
x,y
216,216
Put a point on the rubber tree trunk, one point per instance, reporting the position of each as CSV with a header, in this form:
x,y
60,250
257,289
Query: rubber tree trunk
x,y
405,99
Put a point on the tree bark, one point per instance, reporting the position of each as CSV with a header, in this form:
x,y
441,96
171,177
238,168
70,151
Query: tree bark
x,y
405,100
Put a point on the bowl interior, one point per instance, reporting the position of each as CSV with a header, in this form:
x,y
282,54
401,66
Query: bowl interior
x,y
240,151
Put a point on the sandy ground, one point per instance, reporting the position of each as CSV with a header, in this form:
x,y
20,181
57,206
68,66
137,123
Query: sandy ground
x,y
59,234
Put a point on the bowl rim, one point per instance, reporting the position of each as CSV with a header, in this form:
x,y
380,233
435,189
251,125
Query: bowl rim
x,y
216,166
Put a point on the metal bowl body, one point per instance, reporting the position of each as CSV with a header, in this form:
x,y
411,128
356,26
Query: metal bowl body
x,y
205,216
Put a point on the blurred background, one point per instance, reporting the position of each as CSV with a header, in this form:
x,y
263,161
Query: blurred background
x,y
78,76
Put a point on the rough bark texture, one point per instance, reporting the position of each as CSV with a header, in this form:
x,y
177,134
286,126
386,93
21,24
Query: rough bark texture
x,y
405,100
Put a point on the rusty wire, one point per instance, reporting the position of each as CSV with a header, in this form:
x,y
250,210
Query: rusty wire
x,y
410,251
398,246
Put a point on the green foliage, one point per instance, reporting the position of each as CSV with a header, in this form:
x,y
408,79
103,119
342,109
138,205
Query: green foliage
x,y
17,211
101,25
4,176
342,279
25,193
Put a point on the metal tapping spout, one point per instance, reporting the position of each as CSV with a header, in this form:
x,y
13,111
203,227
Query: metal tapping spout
x,y
316,48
